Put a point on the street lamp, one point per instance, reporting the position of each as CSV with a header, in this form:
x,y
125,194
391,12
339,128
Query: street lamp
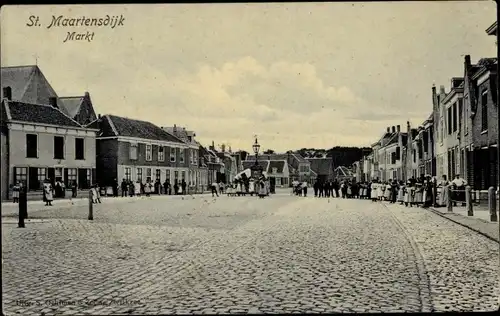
x,y
256,168
256,148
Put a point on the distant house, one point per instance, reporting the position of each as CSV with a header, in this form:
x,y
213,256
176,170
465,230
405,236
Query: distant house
x,y
277,170
299,167
323,167
343,173
40,142
138,151
213,163
188,137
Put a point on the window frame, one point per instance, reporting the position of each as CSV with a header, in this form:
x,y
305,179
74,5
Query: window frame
x,y
19,179
149,152
128,173
76,148
161,153
173,155
63,147
484,111
139,174
134,146
182,157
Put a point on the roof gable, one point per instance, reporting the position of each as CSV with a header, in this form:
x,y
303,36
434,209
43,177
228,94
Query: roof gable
x,y
321,166
263,163
139,129
39,114
278,164
28,84
71,105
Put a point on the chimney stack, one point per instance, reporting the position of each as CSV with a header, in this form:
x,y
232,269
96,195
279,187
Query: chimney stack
x,y
87,94
398,128
467,61
223,148
53,102
389,129
99,116
175,129
394,129
7,93
441,90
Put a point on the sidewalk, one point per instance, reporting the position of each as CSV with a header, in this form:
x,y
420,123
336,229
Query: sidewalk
x,y
479,223
10,209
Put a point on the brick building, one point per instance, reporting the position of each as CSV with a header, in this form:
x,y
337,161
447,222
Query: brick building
x,y
138,151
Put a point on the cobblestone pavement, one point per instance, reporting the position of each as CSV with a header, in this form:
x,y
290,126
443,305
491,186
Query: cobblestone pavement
x,y
238,255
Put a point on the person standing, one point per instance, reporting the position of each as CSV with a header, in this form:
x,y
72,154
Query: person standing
x,y
74,189
459,190
137,188
124,188
443,197
316,188
183,185
304,188
115,187
15,192
147,188
48,193
374,191
214,189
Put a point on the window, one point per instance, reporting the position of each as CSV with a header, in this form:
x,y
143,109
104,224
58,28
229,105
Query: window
x,y
275,170
31,146
21,175
70,176
414,155
455,117
158,174
195,154
128,173
449,123
148,174
89,178
393,157
41,175
172,154
183,175
58,147
168,175
484,111
79,148
161,153
149,152
133,152
139,175
460,114
398,153
191,156
466,114
176,175
181,155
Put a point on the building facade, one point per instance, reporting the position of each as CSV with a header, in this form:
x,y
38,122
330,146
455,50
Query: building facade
x,y
47,145
138,151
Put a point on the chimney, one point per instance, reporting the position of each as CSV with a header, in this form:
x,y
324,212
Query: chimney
x,y
467,61
87,95
99,116
53,102
175,129
398,128
7,93
394,129
441,90
223,148
389,129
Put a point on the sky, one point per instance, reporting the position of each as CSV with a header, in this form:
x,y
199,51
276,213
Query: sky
x,y
294,74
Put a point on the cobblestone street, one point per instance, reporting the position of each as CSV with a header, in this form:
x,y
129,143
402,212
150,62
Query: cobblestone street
x,y
237,255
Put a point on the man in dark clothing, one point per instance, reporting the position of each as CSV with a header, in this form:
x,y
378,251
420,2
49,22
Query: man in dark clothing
x,y
321,189
183,185
316,188
124,187
327,189
115,188
394,191
74,189
336,188
176,188
166,187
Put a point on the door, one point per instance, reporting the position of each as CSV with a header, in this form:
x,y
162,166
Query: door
x,y
272,185
51,174
33,179
82,179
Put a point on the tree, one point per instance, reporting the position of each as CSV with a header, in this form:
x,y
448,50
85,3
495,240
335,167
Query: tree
x,y
268,152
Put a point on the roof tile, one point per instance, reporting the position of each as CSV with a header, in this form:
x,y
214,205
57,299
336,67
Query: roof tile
x,y
140,129
36,113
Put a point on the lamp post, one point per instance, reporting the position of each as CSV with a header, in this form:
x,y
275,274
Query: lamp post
x,y
256,169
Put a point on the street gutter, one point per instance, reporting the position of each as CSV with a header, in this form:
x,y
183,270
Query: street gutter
x,y
483,232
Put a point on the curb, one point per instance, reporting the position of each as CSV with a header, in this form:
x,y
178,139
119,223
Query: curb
x,y
463,225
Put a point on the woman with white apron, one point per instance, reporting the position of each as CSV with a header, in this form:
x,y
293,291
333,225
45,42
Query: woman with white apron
x,y
401,193
418,197
48,192
387,192
443,196
137,188
374,191
408,194
380,191
262,189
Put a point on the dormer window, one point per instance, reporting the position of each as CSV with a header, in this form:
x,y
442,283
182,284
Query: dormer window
x,y
190,138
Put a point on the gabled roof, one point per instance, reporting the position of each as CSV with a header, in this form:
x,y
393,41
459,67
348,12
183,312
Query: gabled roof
x,y
180,133
263,163
321,166
36,113
393,140
278,164
344,171
71,105
28,84
297,157
127,127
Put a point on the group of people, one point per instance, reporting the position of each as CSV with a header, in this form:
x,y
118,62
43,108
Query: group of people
x,y
299,188
138,188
